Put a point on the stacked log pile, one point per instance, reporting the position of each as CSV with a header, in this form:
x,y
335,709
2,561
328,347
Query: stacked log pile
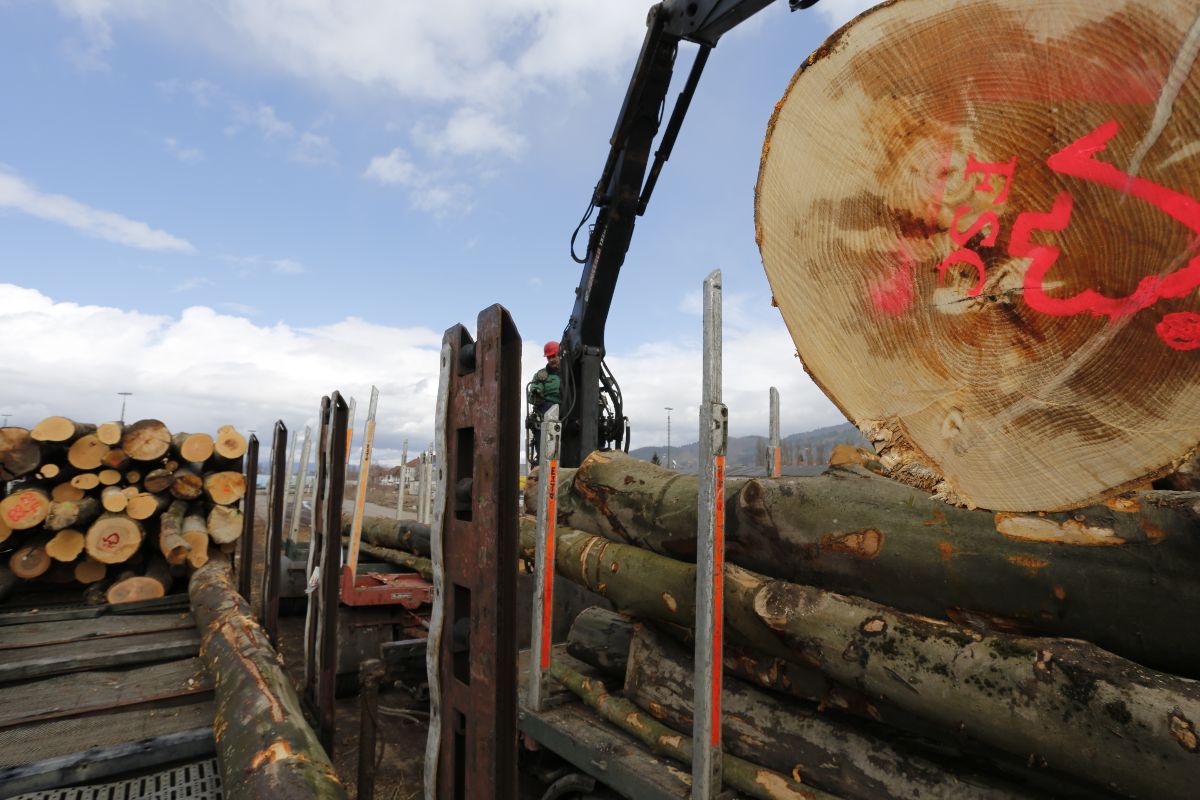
x,y
880,643
120,509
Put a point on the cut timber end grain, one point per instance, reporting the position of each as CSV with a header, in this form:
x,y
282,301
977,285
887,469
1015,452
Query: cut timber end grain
x,y
113,538
115,459
224,488
60,429
66,545
110,433
198,542
68,513
87,452
158,480
146,505
84,480
154,584
1004,370
5,531
187,484
113,499
146,440
30,561
224,524
194,447
25,509
229,443
90,571
49,471
108,477
66,491
133,476
170,528
20,453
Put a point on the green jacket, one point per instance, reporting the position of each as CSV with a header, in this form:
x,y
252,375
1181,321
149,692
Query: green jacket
x,y
545,389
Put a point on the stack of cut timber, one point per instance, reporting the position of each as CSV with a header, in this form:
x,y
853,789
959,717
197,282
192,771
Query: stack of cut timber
x,y
881,643
122,509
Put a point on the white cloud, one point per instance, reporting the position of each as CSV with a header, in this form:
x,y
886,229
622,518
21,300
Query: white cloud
x,y
838,12
203,368
202,92
396,167
249,265
473,132
18,194
264,119
188,284
312,148
181,152
287,266
240,308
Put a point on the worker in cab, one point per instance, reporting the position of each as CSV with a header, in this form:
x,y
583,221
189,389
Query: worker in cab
x,y
544,391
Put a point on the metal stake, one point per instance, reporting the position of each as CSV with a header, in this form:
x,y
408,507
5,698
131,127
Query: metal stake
x,y
287,488
710,561
403,481
272,550
543,594
360,496
774,452
246,544
301,480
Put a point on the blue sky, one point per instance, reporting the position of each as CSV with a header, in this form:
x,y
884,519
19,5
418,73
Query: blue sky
x,y
230,208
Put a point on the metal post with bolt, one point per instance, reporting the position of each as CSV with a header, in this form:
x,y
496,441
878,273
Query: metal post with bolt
x,y
291,462
543,593
774,452
360,496
403,481
710,560
301,480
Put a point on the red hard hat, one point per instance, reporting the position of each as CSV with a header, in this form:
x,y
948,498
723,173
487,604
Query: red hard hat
x,y
550,350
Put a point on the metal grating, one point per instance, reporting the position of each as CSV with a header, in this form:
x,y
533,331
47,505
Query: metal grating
x,y
200,780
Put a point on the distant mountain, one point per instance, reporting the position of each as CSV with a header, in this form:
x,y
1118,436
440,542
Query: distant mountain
x,y
810,447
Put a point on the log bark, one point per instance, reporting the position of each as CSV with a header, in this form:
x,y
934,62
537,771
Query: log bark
x,y
826,751
1007,366
193,447
113,538
146,505
1083,575
71,513
224,524
266,748
398,535
146,440
87,452
155,583
601,638
187,484
66,545
25,509
20,453
229,443
1003,690
743,776
225,488
110,433
419,565
174,547
60,429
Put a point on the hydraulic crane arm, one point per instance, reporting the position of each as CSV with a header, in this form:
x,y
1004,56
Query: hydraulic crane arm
x,y
591,411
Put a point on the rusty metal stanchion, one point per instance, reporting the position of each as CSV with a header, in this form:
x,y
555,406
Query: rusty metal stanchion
x,y
246,545
315,526
273,549
543,592
472,748
774,451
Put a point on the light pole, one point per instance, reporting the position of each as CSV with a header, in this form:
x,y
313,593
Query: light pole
x,y
6,415
669,410
124,397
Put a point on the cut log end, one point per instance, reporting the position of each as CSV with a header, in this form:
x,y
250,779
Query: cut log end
x,y
90,571
20,453
25,509
194,447
132,590
66,545
87,452
229,443
30,561
224,524
225,488
60,429
110,433
197,553
113,538
146,440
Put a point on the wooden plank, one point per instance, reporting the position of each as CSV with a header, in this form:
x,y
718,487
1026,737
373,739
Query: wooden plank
x,y
106,627
84,693
56,659
64,752
51,613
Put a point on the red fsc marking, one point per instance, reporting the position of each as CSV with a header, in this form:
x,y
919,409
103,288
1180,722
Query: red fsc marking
x,y
26,504
1179,330
111,540
718,583
548,567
